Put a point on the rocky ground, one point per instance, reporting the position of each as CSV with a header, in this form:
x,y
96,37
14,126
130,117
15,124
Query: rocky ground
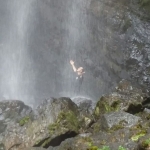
x,y
118,121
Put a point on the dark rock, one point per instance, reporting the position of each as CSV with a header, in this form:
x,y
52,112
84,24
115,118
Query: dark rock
x,y
13,110
85,107
55,121
3,126
127,98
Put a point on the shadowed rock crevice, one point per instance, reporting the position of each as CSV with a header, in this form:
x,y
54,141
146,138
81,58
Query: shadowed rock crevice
x,y
56,141
137,108
133,109
146,102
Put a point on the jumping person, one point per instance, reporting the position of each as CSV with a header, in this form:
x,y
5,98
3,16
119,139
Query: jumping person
x,y
79,77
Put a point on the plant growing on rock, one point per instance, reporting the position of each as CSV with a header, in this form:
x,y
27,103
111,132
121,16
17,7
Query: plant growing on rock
x,y
121,148
96,148
146,143
24,120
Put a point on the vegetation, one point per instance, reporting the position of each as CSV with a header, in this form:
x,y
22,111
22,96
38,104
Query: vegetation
x,y
118,126
105,106
24,120
144,2
121,148
67,120
138,135
104,148
146,143
96,148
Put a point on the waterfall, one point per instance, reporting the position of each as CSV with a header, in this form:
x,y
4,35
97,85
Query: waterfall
x,y
14,55
74,43
38,38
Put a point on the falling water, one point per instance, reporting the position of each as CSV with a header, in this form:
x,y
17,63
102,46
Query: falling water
x,y
15,59
75,42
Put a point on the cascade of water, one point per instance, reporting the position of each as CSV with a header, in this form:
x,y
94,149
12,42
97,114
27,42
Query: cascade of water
x,y
75,42
14,55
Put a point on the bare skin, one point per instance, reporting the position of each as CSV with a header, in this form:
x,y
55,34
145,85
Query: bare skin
x,y
79,71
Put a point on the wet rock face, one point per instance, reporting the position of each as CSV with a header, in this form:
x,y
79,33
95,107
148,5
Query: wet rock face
x,y
60,124
116,118
128,25
52,122
13,109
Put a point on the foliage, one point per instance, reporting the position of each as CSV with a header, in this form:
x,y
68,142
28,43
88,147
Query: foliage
x,y
146,143
67,120
105,106
24,120
121,148
103,148
144,2
96,148
138,135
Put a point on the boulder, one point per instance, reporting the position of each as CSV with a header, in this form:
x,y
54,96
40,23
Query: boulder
x,y
126,98
118,119
54,121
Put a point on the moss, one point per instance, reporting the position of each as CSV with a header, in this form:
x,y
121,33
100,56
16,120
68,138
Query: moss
x,y
138,131
46,142
146,143
97,112
24,120
118,126
53,127
138,135
137,126
37,142
144,2
96,127
104,107
87,139
103,142
121,148
93,148
66,120
115,105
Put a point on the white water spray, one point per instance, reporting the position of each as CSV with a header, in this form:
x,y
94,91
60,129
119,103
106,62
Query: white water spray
x,y
14,52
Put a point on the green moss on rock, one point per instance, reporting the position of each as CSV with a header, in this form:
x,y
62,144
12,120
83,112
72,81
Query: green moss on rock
x,y
105,105
96,127
146,143
46,142
67,120
138,135
117,127
24,120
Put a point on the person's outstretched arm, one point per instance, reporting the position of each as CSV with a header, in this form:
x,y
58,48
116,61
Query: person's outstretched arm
x,y
73,66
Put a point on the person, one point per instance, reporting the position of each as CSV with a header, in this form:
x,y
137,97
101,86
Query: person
x,y
79,78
